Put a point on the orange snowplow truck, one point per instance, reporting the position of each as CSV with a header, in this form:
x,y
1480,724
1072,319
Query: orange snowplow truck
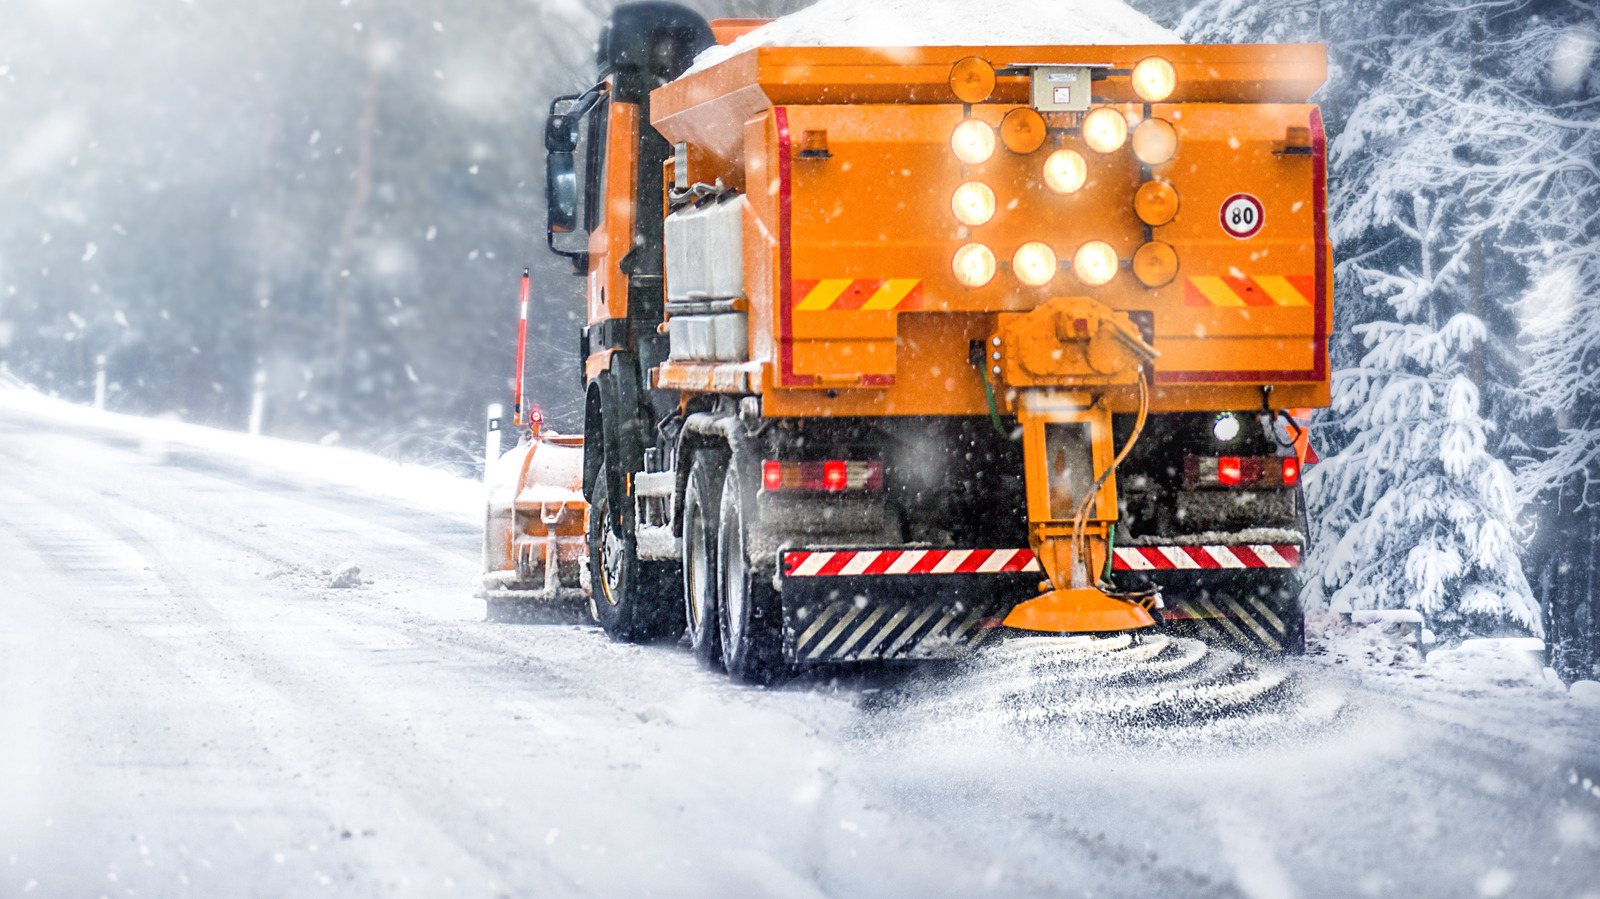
x,y
892,351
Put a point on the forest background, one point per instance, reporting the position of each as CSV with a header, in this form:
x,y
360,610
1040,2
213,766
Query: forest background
x,y
335,199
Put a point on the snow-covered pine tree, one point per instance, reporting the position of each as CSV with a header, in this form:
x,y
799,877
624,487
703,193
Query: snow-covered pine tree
x,y
1560,315
1412,510
1252,22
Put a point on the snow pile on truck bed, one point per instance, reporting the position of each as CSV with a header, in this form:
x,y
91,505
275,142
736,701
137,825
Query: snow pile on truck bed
x,y
934,23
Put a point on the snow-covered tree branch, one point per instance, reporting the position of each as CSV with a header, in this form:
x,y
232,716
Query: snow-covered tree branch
x,y
1464,142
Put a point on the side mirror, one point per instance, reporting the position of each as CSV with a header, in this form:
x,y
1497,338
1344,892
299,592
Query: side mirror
x,y
561,210
561,192
560,133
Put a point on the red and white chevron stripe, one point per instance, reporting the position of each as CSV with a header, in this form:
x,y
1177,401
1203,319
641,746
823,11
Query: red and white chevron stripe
x,y
1162,558
846,563
851,562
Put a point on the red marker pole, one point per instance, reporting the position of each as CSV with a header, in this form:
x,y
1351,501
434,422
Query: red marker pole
x,y
522,353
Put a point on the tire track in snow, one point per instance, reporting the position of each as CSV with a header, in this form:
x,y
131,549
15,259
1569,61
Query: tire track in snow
x,y
226,640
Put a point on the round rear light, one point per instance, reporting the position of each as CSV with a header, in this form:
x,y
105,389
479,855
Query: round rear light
x,y
1154,79
1225,428
1095,263
973,141
1065,171
1156,202
1155,141
972,80
1105,130
973,265
973,203
1023,130
1034,264
1155,264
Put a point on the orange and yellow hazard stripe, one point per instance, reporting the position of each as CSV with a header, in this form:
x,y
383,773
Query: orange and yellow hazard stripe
x,y
858,294
1241,291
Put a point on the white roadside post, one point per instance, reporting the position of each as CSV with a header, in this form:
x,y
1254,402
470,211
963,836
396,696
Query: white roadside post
x,y
491,441
100,382
258,402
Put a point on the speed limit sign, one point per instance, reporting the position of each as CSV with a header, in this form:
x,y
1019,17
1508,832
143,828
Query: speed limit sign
x,y
1242,216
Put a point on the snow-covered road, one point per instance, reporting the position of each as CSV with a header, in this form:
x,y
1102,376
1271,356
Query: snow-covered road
x,y
187,709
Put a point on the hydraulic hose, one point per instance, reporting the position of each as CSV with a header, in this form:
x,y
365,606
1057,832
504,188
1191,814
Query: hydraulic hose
x,y
994,411
1080,545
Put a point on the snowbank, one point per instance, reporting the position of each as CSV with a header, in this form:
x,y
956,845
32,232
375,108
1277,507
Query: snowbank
x,y
1500,661
417,486
1389,644
918,23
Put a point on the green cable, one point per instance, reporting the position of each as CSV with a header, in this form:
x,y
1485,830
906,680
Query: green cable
x,y
994,412
1111,550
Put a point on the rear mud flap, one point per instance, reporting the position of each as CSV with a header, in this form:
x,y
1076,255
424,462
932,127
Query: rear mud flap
x,y
1249,624
861,618
1256,610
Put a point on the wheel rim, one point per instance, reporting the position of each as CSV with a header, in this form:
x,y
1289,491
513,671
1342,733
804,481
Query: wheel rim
x,y
697,569
611,557
733,595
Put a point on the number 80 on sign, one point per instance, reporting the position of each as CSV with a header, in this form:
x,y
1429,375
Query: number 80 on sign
x,y
1242,216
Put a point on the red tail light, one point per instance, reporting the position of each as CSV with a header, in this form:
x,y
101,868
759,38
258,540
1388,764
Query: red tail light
x,y
833,475
1229,470
1240,471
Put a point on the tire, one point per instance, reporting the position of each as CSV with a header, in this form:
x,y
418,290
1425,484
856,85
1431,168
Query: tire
x,y
634,601
751,611
702,501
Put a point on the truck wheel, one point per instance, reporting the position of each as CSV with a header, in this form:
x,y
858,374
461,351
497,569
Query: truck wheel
x,y
633,600
751,610
701,505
